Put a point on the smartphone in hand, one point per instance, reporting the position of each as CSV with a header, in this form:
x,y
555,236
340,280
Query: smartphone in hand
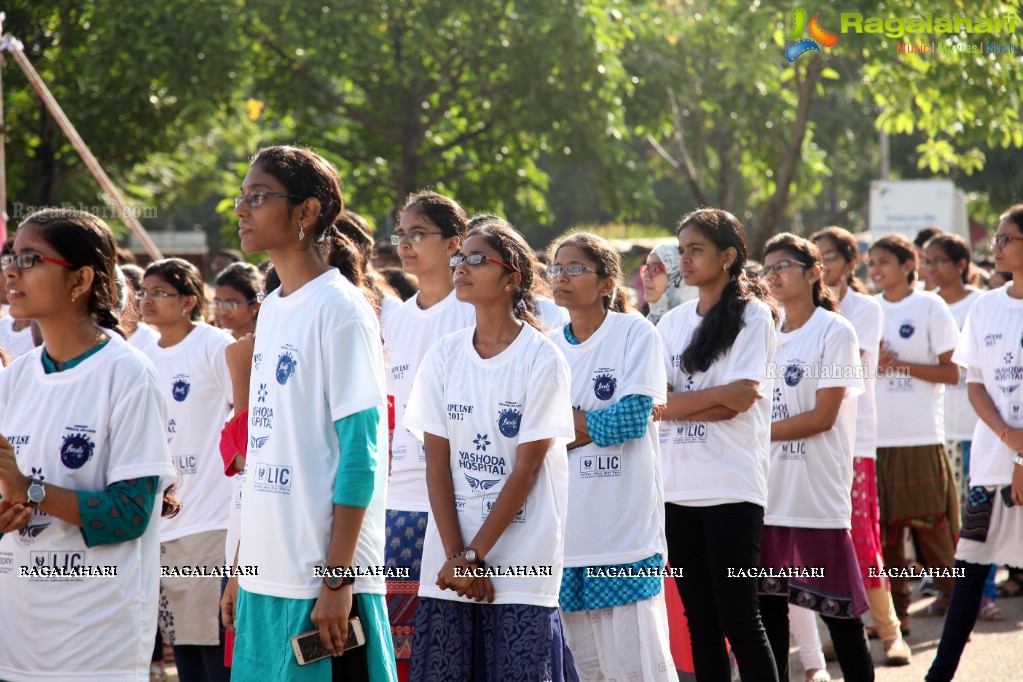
x,y
309,646
1007,496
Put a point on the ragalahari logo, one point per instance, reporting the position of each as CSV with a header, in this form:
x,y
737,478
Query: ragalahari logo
x,y
818,36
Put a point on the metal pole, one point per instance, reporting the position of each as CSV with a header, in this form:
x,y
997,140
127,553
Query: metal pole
x,y
3,144
15,48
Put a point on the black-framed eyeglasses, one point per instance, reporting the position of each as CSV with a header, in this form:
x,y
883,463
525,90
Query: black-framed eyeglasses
x,y
411,237
231,305
476,259
24,261
143,294
779,267
1000,241
574,269
255,199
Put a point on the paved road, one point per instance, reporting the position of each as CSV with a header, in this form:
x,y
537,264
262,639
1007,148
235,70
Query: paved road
x,y
994,653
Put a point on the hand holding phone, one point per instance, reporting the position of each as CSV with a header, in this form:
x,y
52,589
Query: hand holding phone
x,y
309,646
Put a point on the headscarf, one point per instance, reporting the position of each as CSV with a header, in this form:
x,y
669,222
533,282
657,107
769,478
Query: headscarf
x,y
677,292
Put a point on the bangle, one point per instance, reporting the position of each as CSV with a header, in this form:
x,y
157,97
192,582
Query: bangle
x,y
1005,432
1018,460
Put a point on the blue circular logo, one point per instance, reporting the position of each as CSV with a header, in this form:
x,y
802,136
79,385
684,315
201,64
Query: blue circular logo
x,y
285,368
76,450
508,422
906,330
604,386
180,390
793,375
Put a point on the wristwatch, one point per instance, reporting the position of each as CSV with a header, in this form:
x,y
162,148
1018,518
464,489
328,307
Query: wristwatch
x,y
473,557
336,582
36,493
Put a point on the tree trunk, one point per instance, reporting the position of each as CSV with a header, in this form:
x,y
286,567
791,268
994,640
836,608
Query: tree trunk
x,y
791,154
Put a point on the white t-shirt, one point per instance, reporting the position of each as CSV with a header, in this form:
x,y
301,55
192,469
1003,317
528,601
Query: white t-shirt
x,y
196,386
17,343
810,479
388,304
992,347
723,461
408,333
864,313
485,408
317,359
551,315
234,518
960,419
910,411
623,357
85,428
143,336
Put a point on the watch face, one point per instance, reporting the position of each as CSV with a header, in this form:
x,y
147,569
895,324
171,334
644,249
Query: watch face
x,y
333,581
470,555
36,493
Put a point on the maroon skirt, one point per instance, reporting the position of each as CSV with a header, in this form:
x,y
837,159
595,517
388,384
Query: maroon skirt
x,y
815,568
866,522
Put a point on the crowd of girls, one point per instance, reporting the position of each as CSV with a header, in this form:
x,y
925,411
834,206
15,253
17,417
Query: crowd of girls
x,y
547,451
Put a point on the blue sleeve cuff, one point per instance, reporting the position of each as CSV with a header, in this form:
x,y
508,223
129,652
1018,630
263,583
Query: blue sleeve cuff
x,y
356,471
624,421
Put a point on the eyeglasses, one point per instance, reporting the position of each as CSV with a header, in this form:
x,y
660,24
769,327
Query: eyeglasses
x,y
830,256
255,199
24,261
652,270
231,305
411,237
155,294
574,269
476,259
779,267
1000,241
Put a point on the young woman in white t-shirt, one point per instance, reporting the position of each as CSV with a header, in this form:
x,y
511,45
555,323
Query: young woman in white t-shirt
x,y
616,626
715,449
237,292
190,361
428,234
840,257
991,349
83,464
817,371
313,497
492,404
916,487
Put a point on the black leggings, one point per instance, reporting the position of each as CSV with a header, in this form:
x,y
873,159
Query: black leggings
x,y
846,633
963,609
705,542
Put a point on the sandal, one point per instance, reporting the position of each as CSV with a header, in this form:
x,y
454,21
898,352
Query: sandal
x,y
1011,587
989,611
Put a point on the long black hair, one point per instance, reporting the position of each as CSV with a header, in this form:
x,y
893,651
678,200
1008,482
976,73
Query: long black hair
x,y
847,248
807,253
723,322
84,240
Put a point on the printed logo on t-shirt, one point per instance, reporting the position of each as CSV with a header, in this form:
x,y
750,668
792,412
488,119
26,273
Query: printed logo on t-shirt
x,y
257,359
992,339
77,448
286,363
793,450
180,388
509,419
172,428
398,372
604,384
457,411
257,442
481,442
488,506
273,478
460,503
261,394
779,410
794,373
906,330
186,464
480,486
688,433
900,385
62,562
18,442
690,383
261,417
600,466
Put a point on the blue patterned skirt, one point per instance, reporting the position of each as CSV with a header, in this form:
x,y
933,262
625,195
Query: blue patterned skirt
x,y
489,643
403,547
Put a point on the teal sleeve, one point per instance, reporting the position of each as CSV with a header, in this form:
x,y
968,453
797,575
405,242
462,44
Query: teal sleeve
x,y
624,421
356,471
118,514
